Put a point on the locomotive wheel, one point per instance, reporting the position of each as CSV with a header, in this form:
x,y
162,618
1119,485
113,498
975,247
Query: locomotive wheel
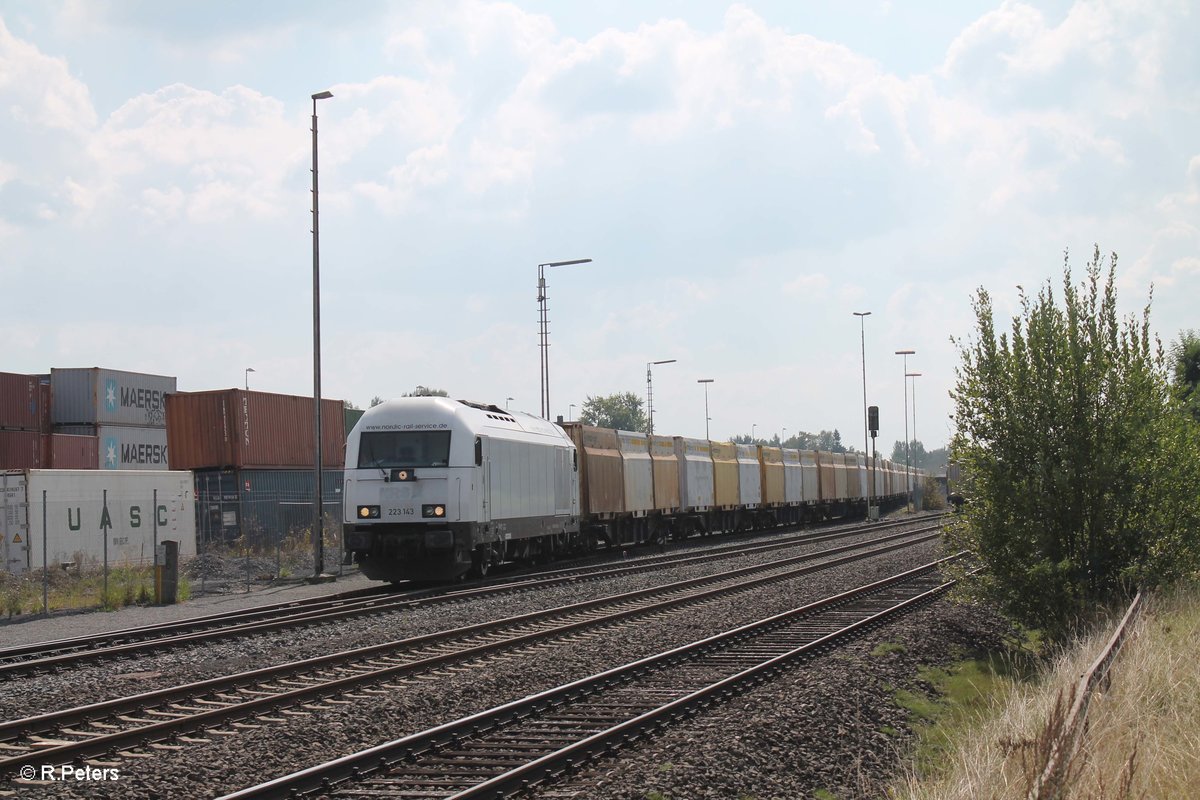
x,y
481,561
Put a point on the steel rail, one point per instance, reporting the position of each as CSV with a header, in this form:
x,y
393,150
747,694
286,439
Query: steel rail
x,y
1070,735
330,777
364,664
69,652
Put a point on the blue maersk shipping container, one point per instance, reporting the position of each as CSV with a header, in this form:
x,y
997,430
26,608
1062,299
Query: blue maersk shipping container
x,y
265,505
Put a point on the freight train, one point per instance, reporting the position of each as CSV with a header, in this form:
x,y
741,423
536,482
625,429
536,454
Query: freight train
x,y
435,488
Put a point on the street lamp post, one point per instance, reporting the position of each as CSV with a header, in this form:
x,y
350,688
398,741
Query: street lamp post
x,y
650,394
248,371
753,427
543,333
507,403
862,333
907,457
914,376
318,511
570,411
706,382
781,435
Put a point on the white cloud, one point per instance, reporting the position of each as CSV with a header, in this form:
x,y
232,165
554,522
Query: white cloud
x,y
812,283
39,90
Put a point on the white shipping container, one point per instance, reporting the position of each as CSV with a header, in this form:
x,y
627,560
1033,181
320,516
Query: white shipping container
x,y
749,476
95,396
123,447
132,448
793,478
696,487
85,509
638,471
812,476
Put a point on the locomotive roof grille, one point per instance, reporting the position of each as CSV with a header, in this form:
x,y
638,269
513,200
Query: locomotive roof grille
x,y
493,411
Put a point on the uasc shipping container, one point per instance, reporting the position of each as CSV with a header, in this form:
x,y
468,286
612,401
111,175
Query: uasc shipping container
x,y
233,428
95,396
89,510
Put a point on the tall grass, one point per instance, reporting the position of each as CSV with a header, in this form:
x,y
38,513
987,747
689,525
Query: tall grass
x,y
1143,734
80,587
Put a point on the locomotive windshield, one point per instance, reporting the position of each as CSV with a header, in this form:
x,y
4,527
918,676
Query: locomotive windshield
x,y
388,449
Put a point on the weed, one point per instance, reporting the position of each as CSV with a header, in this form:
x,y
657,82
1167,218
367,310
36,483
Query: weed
x,y
885,648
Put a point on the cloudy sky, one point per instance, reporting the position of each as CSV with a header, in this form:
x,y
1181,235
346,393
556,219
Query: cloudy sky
x,y
745,176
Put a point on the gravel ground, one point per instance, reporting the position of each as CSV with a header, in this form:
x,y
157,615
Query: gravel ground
x,y
227,763
93,683
830,725
69,624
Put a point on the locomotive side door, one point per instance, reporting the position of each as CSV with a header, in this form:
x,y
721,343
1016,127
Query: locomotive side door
x,y
483,473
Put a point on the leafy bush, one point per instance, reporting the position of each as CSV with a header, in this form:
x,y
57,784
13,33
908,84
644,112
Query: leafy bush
x,y
1081,468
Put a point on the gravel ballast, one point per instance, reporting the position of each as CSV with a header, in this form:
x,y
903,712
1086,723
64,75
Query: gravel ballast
x,y
829,717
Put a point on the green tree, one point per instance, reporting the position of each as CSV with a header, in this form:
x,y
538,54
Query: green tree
x,y
622,411
376,400
829,441
1185,354
425,391
929,460
1081,473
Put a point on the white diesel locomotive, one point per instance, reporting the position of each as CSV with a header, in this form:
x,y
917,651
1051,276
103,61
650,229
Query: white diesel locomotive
x,y
436,487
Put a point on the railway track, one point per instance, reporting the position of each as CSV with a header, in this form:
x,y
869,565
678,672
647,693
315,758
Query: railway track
x,y
60,654
177,716
532,742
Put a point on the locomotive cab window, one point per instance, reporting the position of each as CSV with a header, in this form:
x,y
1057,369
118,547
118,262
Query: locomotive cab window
x,y
387,449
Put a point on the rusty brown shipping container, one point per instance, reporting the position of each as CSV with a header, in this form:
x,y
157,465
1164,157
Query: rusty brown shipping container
x,y
251,430
24,403
725,474
666,473
771,461
22,450
601,478
827,476
67,451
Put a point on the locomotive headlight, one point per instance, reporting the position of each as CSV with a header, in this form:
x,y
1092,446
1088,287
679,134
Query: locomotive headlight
x,y
433,511
368,512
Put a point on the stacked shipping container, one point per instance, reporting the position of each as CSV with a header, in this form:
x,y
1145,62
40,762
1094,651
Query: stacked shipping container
x,y
253,457
24,421
123,413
